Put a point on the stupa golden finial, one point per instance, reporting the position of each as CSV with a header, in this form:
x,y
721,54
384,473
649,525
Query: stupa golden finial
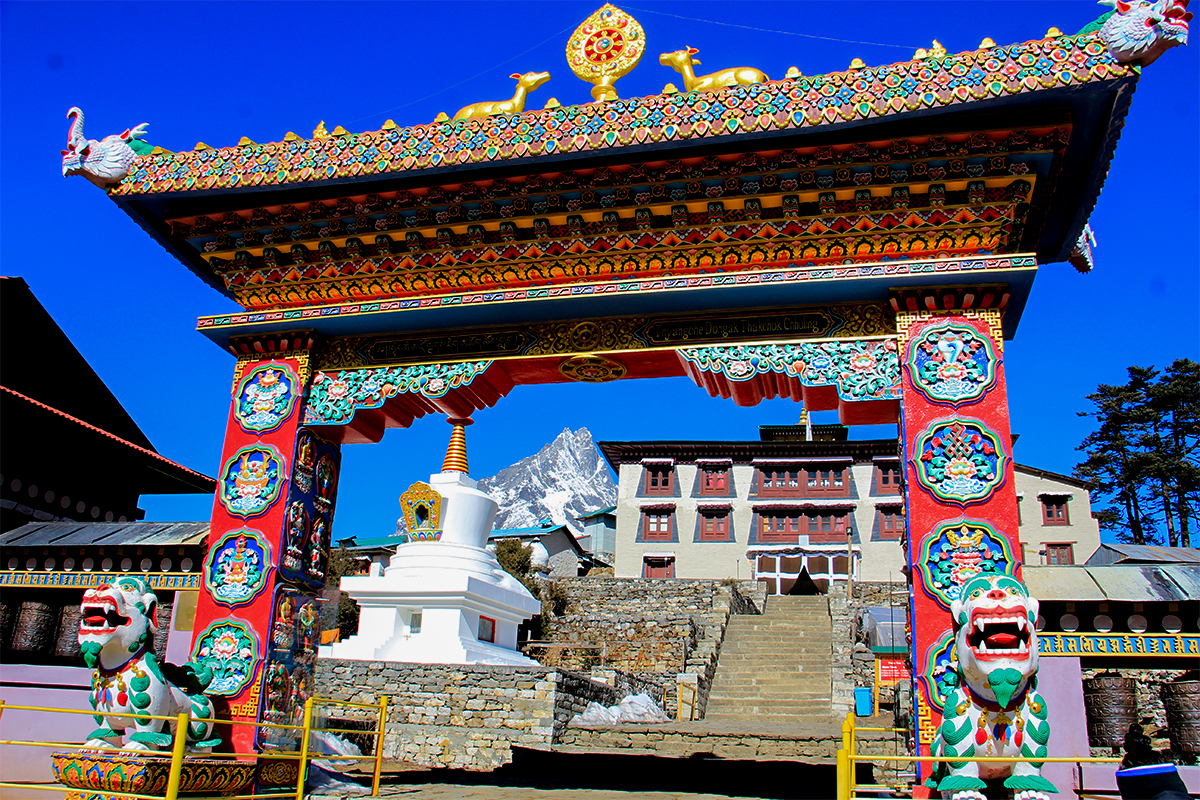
x,y
987,44
793,73
388,125
456,453
1053,33
606,46
857,64
320,132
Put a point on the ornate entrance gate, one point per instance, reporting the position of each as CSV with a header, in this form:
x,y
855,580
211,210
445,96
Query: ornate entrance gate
x,y
862,241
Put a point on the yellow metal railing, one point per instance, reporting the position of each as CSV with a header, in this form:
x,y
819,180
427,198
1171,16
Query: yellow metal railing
x,y
848,758
179,757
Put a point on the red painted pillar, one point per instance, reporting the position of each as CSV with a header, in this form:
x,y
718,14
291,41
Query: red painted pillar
x,y
257,621
959,486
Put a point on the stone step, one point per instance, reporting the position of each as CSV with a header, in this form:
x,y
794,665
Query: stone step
x,y
769,710
803,682
772,658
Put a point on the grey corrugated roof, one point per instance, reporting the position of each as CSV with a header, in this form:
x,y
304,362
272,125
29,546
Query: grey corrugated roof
x,y
1146,553
108,534
1061,583
1128,583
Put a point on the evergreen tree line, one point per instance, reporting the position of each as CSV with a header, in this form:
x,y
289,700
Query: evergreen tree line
x,y
1143,460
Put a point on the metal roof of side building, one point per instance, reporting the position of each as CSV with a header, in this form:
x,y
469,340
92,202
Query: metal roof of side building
x,y
1143,554
1172,583
105,534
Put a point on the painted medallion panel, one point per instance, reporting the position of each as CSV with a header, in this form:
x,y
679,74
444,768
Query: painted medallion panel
x,y
251,480
960,461
958,551
237,567
229,649
266,397
952,363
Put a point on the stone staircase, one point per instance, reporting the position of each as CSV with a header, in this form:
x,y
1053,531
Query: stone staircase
x,y
775,667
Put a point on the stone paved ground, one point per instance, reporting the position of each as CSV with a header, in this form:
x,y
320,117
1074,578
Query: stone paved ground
x,y
536,775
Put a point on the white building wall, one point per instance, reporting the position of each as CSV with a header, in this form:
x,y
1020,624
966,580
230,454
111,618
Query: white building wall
x,y
881,560
1083,532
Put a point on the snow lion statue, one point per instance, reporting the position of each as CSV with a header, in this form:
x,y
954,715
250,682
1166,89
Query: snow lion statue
x,y
116,635
993,708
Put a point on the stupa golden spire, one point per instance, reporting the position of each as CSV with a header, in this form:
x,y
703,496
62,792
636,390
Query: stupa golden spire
x,y
456,453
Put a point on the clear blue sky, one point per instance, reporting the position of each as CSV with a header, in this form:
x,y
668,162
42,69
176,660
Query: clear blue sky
x,y
214,72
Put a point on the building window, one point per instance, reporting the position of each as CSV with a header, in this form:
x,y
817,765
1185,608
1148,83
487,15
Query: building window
x,y
825,482
660,480
714,526
1020,516
1060,554
1054,511
783,526
656,526
658,566
825,527
779,483
487,629
714,480
887,479
891,523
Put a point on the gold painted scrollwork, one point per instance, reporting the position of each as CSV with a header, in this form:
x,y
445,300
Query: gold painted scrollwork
x,y
341,354
561,338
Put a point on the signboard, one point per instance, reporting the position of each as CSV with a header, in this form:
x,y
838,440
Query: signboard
x,y
891,669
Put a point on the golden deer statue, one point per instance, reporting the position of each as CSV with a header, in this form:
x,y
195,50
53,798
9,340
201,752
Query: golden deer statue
x,y
682,62
515,105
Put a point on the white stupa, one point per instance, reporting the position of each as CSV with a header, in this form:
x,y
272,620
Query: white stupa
x,y
443,598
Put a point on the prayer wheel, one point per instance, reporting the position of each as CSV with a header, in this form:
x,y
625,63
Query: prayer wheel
x,y
6,623
163,631
35,627
1111,704
1181,699
67,644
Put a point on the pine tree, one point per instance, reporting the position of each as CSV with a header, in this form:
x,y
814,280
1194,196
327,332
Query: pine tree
x,y
1144,457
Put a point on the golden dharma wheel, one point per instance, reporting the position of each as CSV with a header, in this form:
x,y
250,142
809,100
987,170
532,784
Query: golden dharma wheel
x,y
606,46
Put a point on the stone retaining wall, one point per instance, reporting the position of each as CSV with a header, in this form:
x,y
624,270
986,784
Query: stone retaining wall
x,y
466,717
652,628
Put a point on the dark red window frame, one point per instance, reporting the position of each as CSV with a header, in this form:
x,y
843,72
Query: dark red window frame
x,y
714,525
825,524
887,479
657,525
780,482
714,480
1054,511
1060,554
492,637
820,482
660,479
891,522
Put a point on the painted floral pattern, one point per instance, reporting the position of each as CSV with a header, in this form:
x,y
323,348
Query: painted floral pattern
x,y
228,649
336,396
860,369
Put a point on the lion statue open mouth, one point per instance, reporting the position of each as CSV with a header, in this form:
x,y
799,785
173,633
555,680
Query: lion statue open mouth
x,y
116,635
994,708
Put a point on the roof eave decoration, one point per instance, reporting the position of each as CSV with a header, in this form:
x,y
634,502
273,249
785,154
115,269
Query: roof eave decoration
x,y
789,104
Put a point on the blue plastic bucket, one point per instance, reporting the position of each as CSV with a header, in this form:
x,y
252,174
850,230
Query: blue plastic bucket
x,y
863,705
